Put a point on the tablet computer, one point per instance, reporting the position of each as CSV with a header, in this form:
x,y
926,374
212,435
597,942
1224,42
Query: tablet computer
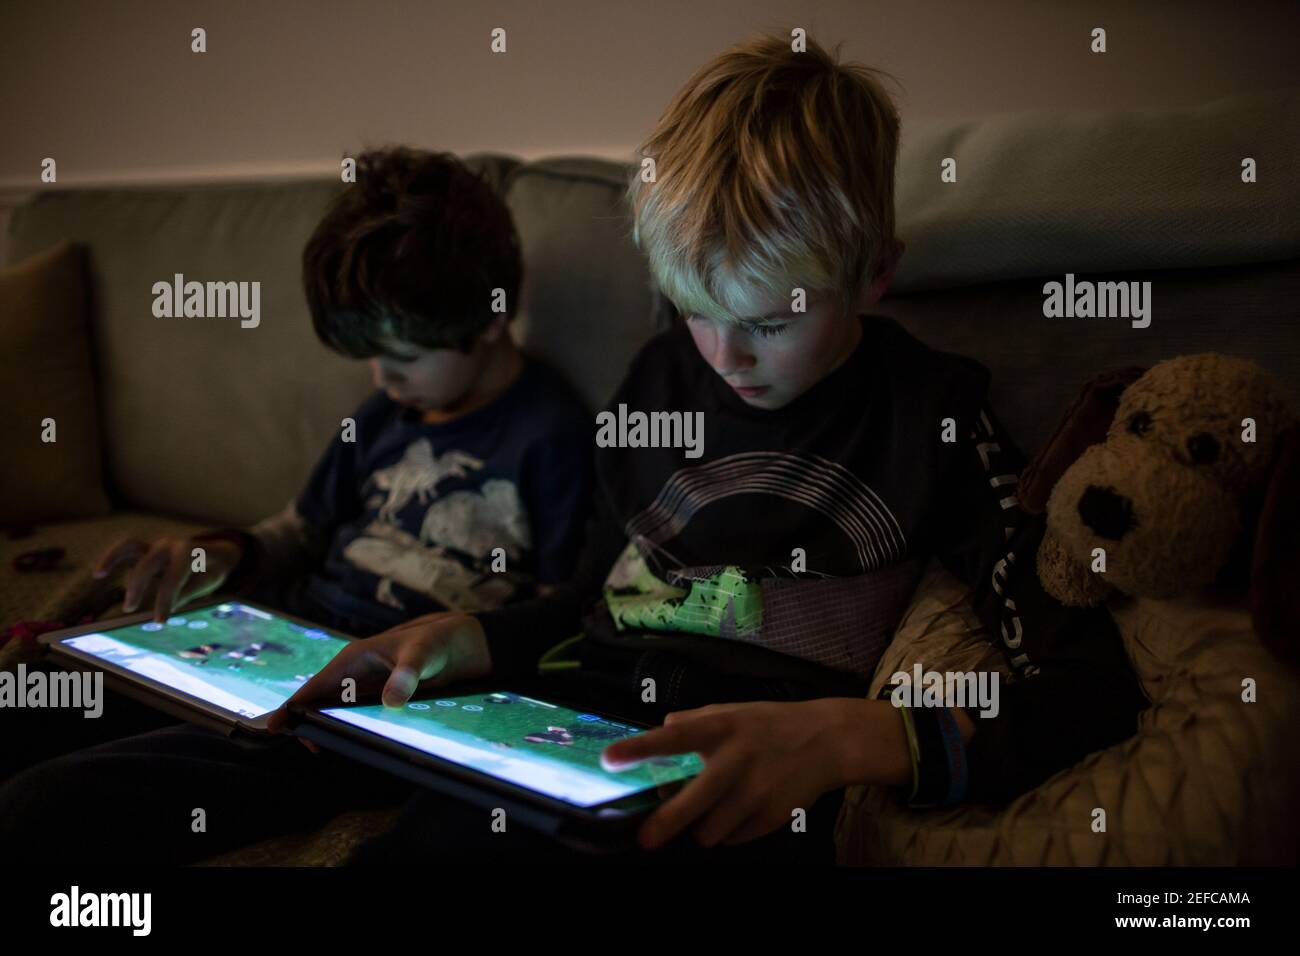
x,y
538,760
226,664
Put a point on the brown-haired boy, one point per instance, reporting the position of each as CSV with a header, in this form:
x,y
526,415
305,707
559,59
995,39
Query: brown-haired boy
x,y
466,447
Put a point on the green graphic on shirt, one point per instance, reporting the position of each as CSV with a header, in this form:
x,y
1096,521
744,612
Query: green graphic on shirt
x,y
637,599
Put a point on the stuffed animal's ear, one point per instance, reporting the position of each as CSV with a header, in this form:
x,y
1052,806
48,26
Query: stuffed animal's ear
x,y
1085,423
1275,565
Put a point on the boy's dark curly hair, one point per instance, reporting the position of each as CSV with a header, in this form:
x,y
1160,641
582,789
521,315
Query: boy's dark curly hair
x,y
410,253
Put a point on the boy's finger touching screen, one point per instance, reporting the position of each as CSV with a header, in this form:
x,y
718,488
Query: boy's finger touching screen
x,y
393,665
661,742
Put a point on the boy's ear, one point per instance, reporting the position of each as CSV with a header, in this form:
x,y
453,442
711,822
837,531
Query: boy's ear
x,y
896,257
495,329
884,276
1275,565
1084,424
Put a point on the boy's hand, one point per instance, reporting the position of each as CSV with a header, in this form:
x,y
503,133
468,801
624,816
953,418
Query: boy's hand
x,y
429,651
764,760
169,561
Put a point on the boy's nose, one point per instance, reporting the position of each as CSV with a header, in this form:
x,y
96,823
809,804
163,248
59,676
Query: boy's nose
x,y
730,352
383,377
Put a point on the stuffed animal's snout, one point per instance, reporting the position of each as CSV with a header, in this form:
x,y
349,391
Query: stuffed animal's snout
x,y
1106,512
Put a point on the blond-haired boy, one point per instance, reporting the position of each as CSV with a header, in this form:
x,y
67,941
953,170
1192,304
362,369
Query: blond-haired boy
x,y
755,588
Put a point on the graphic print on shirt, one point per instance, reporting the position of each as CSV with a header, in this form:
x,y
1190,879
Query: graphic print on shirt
x,y
650,590
830,489
418,474
718,601
450,558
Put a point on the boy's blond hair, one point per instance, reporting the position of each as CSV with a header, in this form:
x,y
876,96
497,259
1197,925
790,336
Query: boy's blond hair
x,y
774,171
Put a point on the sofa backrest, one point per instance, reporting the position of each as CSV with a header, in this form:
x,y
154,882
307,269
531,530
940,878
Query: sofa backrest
x,y
204,418
1039,365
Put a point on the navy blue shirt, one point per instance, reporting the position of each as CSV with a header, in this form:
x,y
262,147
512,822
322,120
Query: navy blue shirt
x,y
464,515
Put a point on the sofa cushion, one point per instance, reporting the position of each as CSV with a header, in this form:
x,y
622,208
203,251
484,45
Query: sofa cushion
x,y
67,591
46,373
201,416
1238,310
588,302
1110,190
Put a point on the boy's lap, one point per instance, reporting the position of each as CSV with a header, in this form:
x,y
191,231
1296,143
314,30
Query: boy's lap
x,y
140,799
33,735
434,830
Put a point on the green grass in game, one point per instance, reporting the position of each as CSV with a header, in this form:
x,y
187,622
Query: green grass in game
x,y
263,661
511,723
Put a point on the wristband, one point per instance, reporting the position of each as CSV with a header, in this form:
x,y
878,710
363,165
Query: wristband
x,y
913,746
933,780
913,751
954,756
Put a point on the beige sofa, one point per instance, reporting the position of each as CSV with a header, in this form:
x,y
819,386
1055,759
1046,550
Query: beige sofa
x,y
203,423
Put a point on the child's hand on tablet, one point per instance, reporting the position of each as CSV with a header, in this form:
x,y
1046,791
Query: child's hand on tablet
x,y
430,651
764,760
169,561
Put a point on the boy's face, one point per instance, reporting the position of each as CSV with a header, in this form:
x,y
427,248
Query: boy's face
x,y
428,379
772,356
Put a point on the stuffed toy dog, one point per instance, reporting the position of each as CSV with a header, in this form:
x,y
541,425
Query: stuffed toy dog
x,y
1183,475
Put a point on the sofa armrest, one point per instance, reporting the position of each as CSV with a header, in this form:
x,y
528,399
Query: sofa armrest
x,y
67,592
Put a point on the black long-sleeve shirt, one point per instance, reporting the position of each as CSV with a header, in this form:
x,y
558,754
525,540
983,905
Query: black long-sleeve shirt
x,y
829,506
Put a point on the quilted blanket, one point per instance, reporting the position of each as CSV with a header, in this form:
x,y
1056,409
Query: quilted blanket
x,y
1210,778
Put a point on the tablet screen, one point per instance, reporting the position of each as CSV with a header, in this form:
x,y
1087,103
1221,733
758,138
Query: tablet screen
x,y
240,658
527,742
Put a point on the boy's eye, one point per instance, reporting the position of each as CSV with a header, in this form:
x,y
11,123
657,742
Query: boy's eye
x,y
764,330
